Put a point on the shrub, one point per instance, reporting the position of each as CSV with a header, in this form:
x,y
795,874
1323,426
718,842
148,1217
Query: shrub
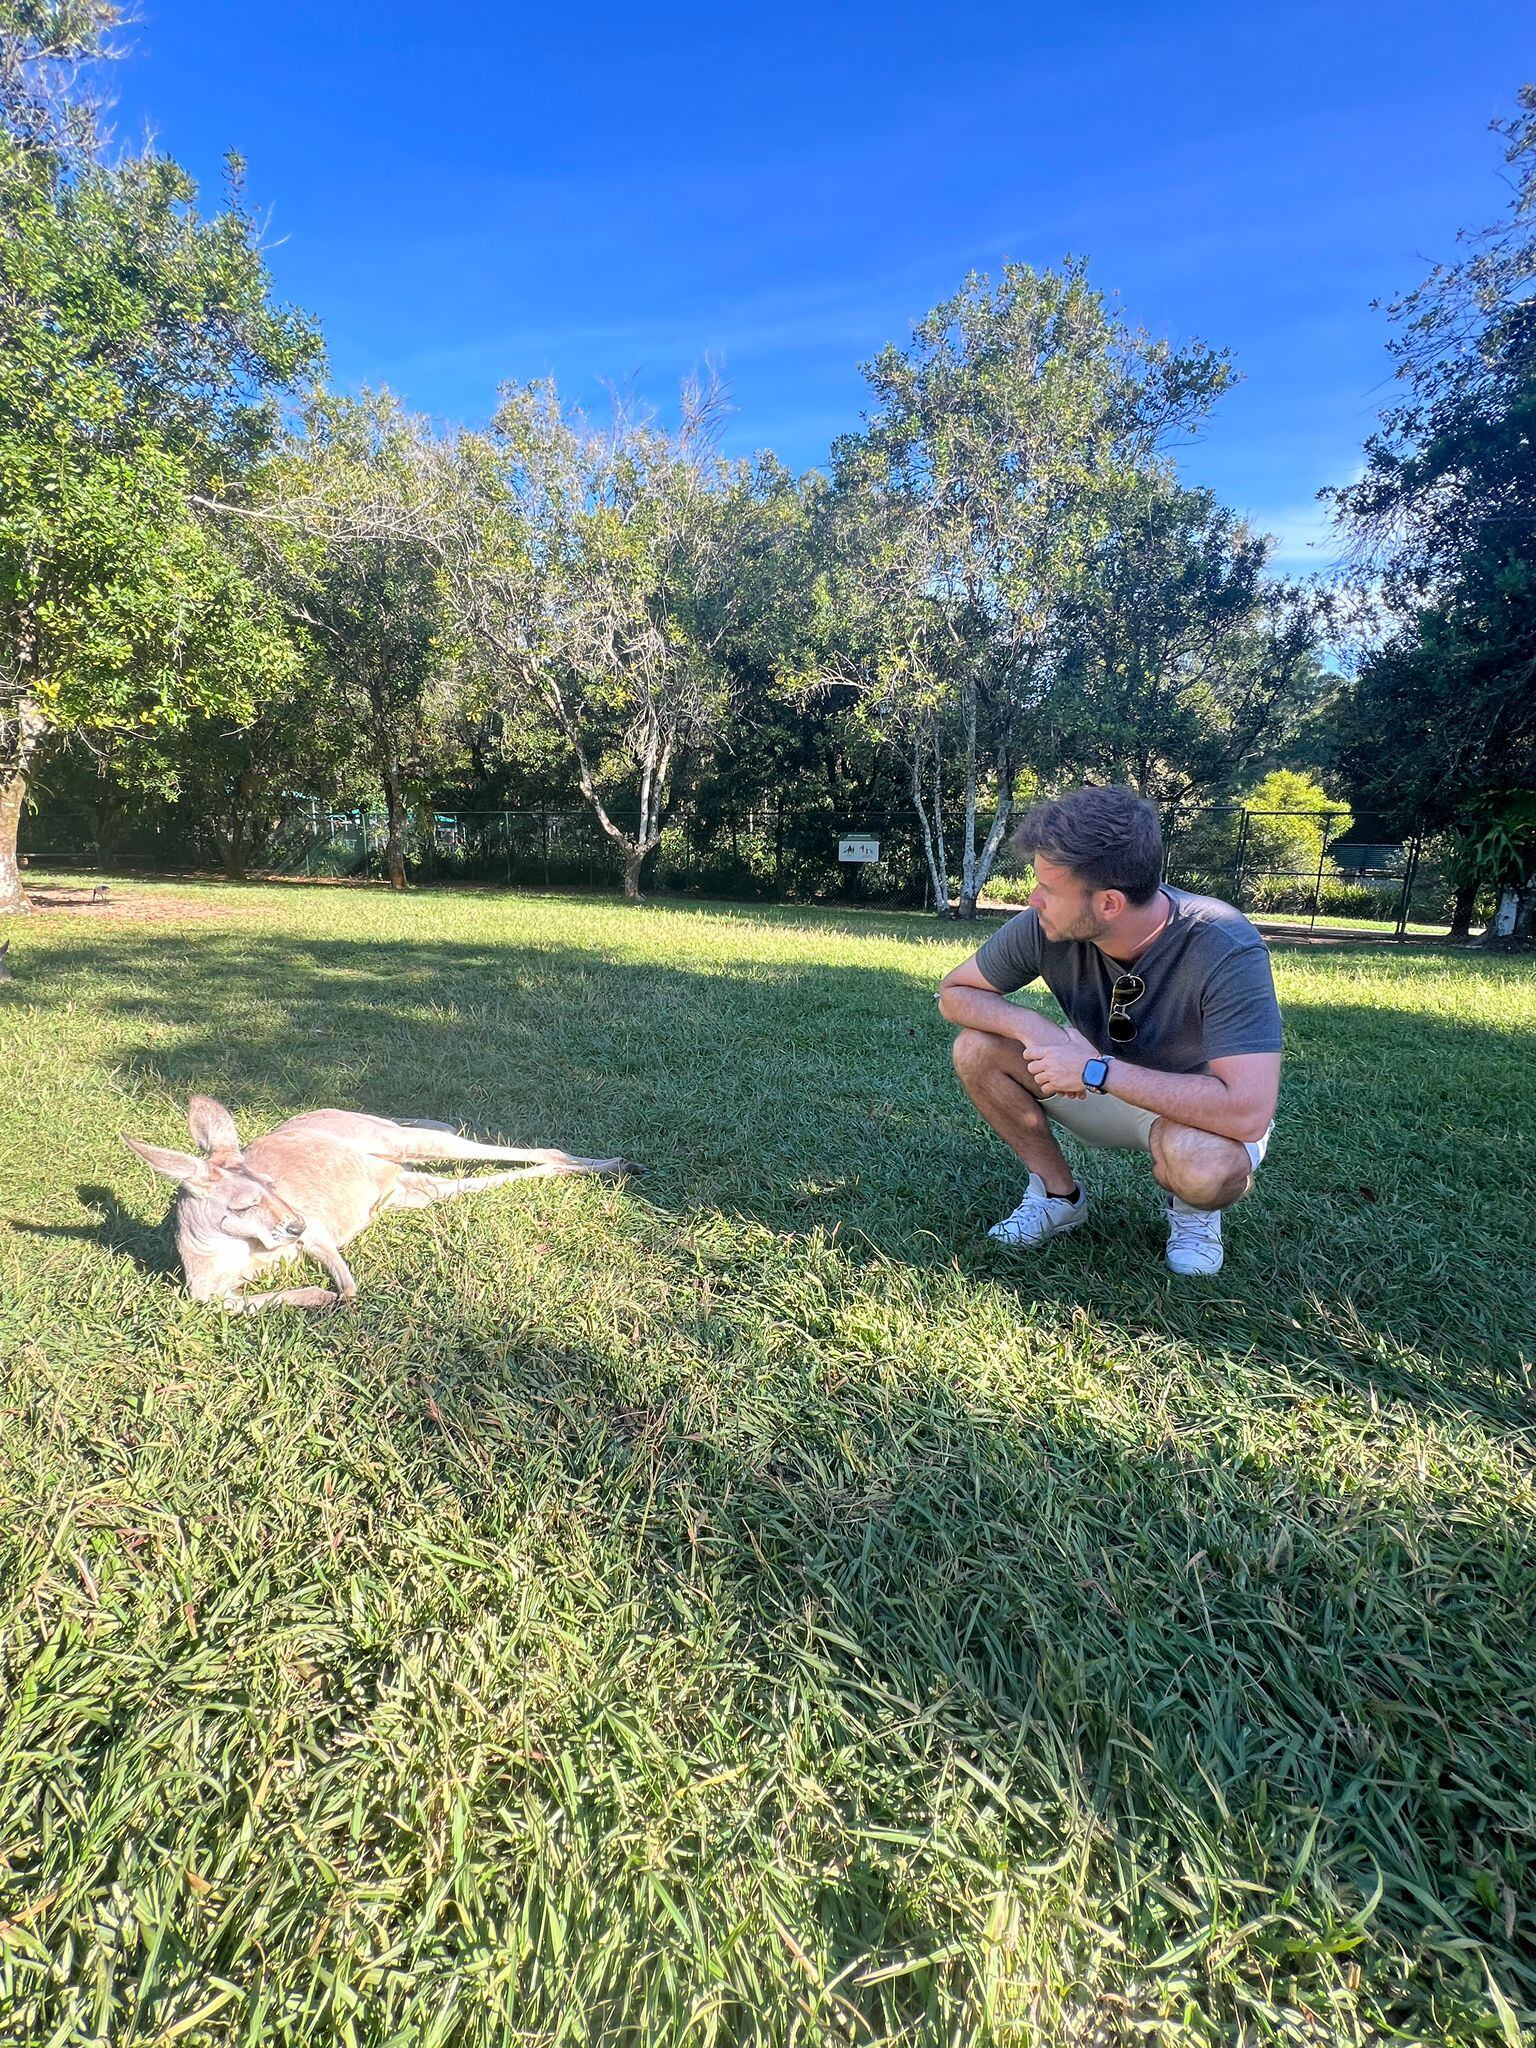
x,y
1291,817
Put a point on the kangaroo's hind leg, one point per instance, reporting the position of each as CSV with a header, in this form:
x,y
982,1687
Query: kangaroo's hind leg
x,y
421,1190
418,1142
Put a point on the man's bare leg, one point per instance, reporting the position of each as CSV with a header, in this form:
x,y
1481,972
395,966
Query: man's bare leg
x,y
992,1072
1205,1174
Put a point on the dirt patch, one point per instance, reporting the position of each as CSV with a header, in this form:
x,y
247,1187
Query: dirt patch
x,y
138,908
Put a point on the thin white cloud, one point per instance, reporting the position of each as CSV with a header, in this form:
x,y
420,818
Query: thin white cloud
x,y
1307,541
1304,537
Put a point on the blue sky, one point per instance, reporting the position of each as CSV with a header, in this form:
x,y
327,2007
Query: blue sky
x,y
474,194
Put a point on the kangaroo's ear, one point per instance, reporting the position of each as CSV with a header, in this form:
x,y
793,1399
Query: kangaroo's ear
x,y
177,1166
213,1130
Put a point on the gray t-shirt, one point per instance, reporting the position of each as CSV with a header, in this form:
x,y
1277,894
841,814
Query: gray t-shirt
x,y
1209,991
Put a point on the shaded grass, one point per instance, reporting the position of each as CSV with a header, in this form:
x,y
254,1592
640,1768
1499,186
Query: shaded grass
x,y
746,1607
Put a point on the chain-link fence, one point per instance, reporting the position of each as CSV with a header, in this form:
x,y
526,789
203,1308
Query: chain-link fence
x,y
1323,870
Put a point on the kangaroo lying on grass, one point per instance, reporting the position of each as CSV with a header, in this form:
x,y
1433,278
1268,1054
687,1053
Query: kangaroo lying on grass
x,y
310,1186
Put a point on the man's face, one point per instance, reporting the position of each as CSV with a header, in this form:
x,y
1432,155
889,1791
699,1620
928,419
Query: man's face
x,y
1064,905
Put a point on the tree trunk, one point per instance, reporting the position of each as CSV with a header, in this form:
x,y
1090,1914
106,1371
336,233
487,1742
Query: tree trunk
x,y
394,844
937,878
22,731
970,887
634,861
1000,819
240,835
940,851
653,782
231,843
13,788
1461,911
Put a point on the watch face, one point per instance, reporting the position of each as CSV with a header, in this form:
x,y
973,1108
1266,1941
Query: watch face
x,y
1095,1073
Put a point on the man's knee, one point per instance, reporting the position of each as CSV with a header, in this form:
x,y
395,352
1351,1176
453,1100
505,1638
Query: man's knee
x,y
982,1058
975,1053
1200,1168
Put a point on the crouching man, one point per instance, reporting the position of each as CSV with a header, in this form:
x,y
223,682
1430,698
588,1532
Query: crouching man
x,y
1174,1045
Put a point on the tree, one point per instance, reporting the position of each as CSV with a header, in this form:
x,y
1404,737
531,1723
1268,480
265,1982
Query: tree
x,y
997,445
236,779
1180,659
349,519
1441,721
216,784
597,574
141,353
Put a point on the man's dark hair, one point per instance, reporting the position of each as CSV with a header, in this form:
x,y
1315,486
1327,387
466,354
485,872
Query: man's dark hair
x,y
1109,838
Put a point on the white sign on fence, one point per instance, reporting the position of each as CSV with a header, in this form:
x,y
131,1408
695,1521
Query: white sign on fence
x,y
858,849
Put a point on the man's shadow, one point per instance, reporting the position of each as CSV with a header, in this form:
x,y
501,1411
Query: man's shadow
x,y
116,1229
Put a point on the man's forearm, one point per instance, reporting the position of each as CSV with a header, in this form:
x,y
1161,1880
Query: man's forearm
x,y
981,1009
1201,1101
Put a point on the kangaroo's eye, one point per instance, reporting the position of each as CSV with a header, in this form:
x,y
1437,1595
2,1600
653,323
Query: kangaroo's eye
x,y
241,1199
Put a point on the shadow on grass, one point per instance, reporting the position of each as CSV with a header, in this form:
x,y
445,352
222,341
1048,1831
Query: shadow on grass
x,y
1385,1245
1256,1698
115,1229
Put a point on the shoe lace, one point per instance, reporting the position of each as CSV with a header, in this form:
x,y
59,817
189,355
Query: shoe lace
x,y
1192,1226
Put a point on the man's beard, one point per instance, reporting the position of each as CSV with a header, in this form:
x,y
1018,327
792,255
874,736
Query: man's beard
x,y
1084,926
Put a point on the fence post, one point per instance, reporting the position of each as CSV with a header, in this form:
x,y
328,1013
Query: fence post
x,y
1317,887
1242,851
1410,870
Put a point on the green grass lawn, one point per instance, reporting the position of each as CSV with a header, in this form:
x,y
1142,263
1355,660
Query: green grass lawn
x,y
743,1606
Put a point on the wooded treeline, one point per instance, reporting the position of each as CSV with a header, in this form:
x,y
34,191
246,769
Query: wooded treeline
x,y
224,584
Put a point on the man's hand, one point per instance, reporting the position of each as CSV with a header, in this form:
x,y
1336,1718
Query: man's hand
x,y
1058,1069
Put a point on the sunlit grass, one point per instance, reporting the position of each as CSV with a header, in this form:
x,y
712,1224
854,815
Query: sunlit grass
x,y
743,1606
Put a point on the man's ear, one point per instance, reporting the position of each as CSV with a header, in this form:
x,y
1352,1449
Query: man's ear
x,y
180,1167
213,1130
1112,902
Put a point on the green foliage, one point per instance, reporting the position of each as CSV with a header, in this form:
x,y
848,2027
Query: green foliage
x,y
976,505
617,580
1445,519
1500,845
1292,843
1180,659
353,554
141,354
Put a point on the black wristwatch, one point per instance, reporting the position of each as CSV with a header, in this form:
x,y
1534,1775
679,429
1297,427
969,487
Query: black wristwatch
x,y
1096,1075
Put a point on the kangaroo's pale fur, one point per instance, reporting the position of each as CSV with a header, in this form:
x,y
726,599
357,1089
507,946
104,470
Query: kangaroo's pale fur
x,y
308,1188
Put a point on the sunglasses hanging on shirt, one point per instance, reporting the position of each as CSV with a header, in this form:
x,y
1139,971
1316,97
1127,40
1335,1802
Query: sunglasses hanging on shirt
x,y
1128,989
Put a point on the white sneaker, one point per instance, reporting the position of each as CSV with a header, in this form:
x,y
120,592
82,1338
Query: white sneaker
x,y
1194,1239
1040,1216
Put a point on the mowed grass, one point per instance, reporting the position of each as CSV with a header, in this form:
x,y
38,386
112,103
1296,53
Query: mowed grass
x,y
742,1606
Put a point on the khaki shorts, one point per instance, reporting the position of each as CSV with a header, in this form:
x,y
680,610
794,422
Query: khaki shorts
x,y
1111,1125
